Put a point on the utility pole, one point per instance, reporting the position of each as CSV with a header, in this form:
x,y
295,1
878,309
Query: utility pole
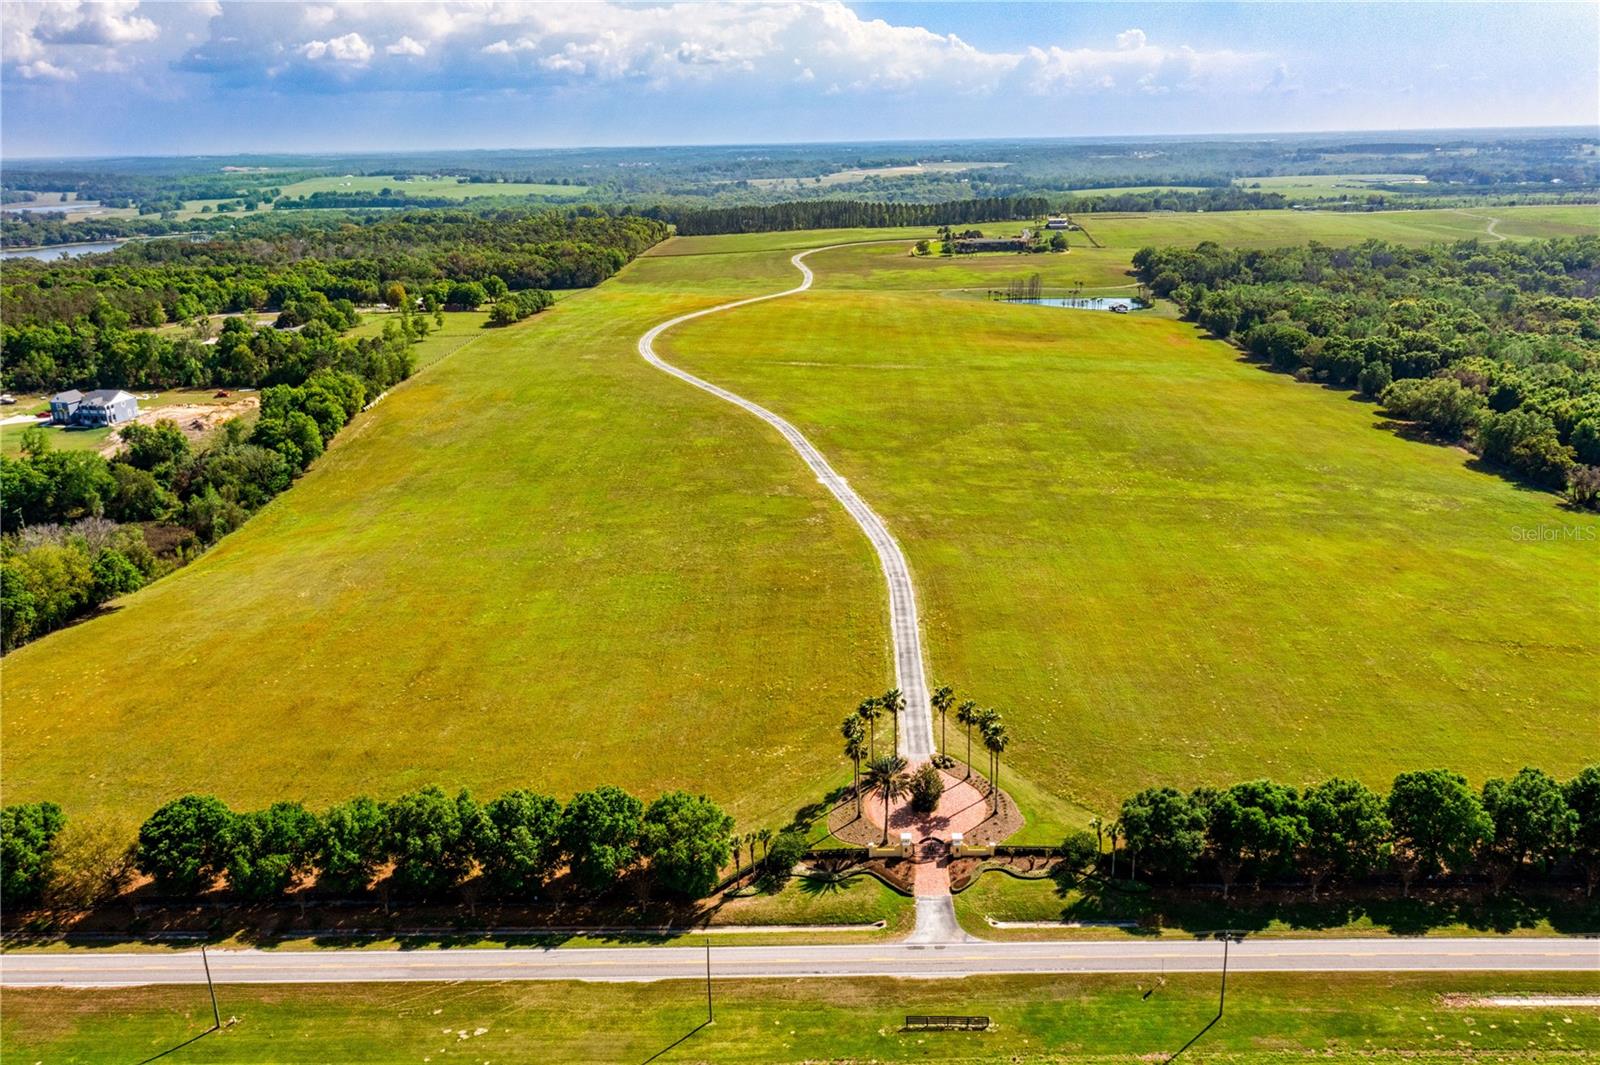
x,y
216,1014
710,1011
1222,999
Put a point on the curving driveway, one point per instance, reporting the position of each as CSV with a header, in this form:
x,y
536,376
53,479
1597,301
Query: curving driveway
x,y
916,725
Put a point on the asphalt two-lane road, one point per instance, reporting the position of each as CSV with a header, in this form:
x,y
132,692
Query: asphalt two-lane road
x,y
83,968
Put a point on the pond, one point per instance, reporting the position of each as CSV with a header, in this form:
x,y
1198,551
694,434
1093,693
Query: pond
x,y
1087,303
62,251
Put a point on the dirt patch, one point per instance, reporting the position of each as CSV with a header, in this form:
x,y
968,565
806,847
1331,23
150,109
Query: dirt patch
x,y
1521,1001
195,420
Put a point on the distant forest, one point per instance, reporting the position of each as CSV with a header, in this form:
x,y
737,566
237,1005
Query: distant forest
x,y
76,323
1455,169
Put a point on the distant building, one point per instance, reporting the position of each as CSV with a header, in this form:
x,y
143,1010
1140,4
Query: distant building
x,y
1058,223
105,406
63,405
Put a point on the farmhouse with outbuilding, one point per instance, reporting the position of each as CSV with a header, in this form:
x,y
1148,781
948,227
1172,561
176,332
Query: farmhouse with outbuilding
x,y
104,406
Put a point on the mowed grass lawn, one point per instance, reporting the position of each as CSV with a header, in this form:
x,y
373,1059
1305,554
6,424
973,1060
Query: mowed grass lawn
x,y
538,563
1168,565
1270,1018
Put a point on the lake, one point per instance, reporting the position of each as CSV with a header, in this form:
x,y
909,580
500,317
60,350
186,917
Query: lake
x,y
62,251
1086,303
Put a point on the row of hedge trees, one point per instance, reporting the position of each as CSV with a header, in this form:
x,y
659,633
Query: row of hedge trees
x,y
1430,823
419,846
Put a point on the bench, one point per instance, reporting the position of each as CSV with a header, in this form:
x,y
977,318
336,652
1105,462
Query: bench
x,y
934,1023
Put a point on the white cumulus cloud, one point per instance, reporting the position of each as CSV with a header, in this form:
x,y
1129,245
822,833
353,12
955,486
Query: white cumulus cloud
x,y
407,46
349,48
500,45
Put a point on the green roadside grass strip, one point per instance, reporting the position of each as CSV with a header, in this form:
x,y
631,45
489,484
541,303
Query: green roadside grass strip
x,y
1269,1018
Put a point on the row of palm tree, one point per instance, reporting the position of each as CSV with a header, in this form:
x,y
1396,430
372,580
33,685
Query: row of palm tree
x,y
748,843
860,734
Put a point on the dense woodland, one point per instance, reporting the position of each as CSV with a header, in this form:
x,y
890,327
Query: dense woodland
x,y
1492,345
85,323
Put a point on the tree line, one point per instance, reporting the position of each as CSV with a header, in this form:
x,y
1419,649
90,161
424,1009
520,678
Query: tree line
x,y
86,322
77,522
847,214
1430,823
1495,346
419,846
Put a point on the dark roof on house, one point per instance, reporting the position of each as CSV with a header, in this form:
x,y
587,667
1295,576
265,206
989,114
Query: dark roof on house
x,y
71,395
102,396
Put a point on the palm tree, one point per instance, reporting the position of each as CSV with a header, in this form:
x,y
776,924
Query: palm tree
x,y
1114,830
995,739
887,777
765,836
855,749
942,699
967,714
868,712
893,702
737,840
988,718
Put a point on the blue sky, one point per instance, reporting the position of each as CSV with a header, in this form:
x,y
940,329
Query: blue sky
x,y
207,77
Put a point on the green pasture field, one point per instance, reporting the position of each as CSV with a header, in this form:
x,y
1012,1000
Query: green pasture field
x,y
818,901
1167,565
460,328
426,187
418,188
542,563
1117,190
857,175
1337,186
539,563
1269,1018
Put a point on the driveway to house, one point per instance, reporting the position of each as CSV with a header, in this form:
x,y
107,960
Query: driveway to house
x,y
916,726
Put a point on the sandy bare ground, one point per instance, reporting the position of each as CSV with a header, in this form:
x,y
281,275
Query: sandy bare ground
x,y
194,419
1524,1001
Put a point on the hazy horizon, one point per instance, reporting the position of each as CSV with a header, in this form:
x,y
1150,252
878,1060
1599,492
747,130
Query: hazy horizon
x,y
1242,136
